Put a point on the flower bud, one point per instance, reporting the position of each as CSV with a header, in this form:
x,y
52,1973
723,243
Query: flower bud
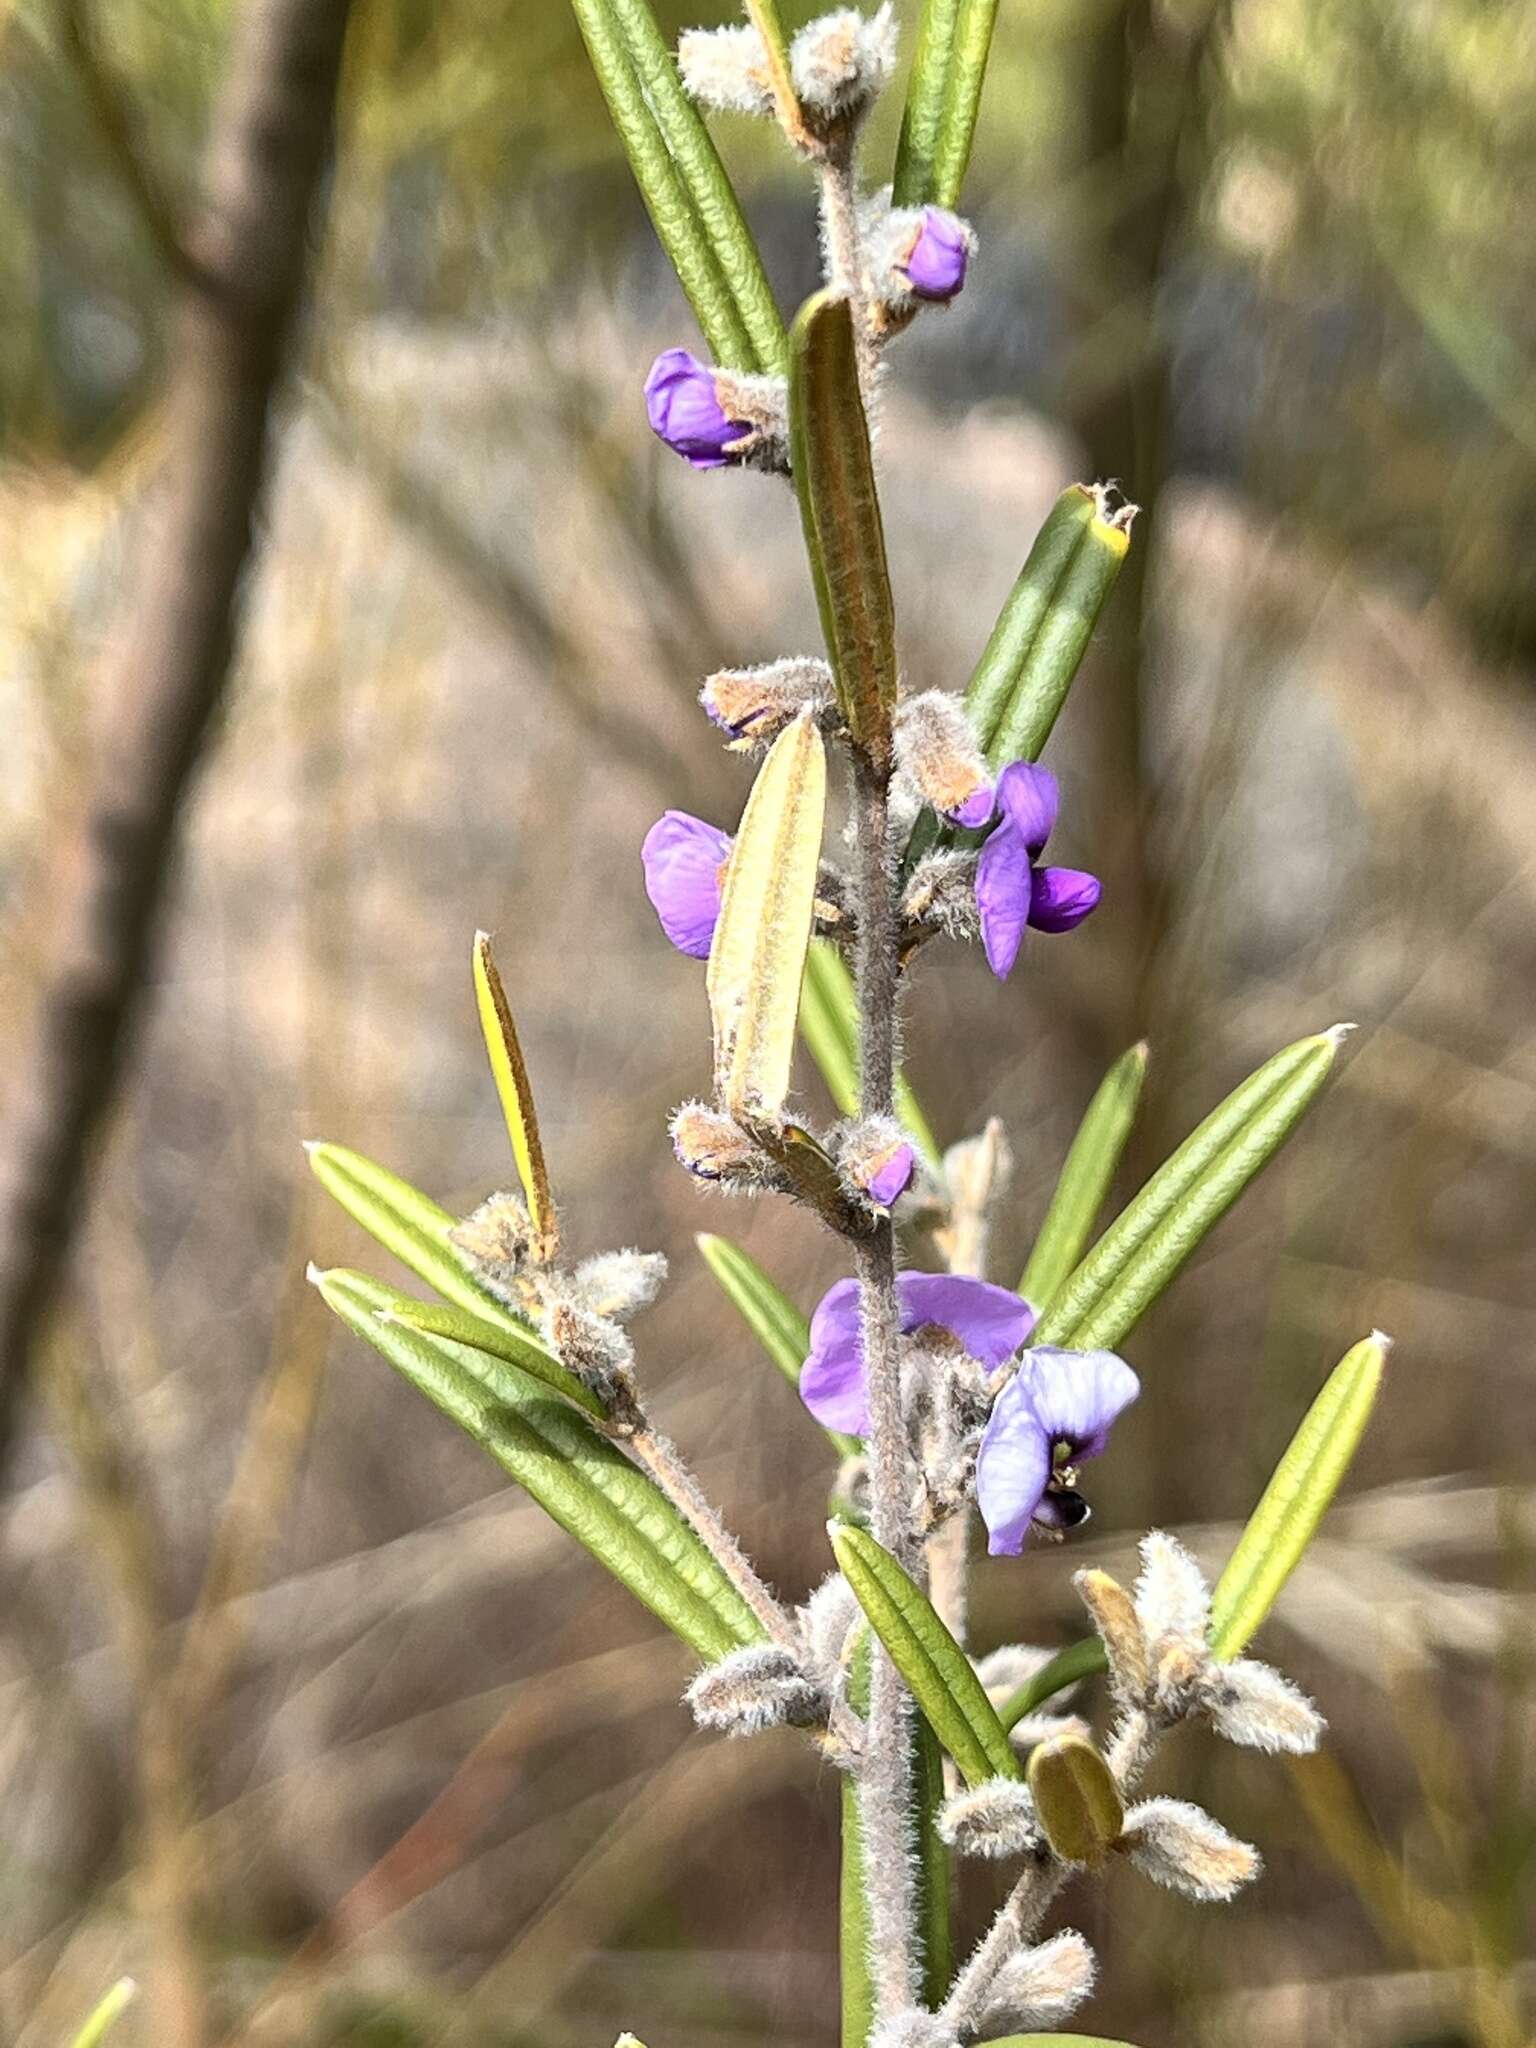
x,y
1171,1595
726,68
753,705
877,1161
753,1689
937,750
683,405
825,1621
840,63
1075,1797
997,1818
1179,1845
1253,1705
1119,1626
712,1146
496,1243
618,1283
939,246
912,2027
591,1346
1040,1987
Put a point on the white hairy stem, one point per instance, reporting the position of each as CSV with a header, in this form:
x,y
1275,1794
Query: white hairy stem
x,y
660,1457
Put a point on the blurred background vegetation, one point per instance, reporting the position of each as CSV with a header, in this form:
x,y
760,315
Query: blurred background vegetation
x,y
306,1722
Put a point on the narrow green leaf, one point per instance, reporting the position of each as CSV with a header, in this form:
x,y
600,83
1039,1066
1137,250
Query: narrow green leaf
x,y
757,958
922,118
512,1345
1054,2041
107,2014
769,1314
853,1933
515,1092
934,1905
829,1025
1085,1177
1188,1195
1026,668
662,187
407,1223
714,199
1079,1660
938,1673
1297,1497
766,1310
579,1478
840,511
964,78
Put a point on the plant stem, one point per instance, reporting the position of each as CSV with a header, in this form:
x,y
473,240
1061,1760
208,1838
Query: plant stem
x,y
1017,1918
662,1459
885,1779
844,249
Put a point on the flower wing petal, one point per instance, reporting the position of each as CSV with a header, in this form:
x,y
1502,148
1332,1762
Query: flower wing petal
x,y
1012,1468
1004,890
832,1383
682,857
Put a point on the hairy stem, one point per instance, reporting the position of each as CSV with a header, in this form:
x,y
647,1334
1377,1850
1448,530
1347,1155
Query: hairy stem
x,y
662,1459
1017,1919
844,250
885,1784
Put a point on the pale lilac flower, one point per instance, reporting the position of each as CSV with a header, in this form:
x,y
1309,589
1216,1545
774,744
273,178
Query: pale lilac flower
x,y
684,859
989,1321
684,409
1057,1402
1011,891
935,264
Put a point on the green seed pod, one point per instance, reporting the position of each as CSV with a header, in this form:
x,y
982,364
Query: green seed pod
x,y
1079,1809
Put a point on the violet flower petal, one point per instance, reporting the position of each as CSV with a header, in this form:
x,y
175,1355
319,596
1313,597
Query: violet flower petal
x,y
684,409
1062,898
683,856
1004,891
891,1181
1076,1395
935,264
976,810
1031,797
832,1381
1013,1466
991,1322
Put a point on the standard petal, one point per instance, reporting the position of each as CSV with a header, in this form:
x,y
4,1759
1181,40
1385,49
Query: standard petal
x,y
684,409
1062,898
1012,1468
1004,886
683,856
1031,797
990,1321
832,1384
1076,1395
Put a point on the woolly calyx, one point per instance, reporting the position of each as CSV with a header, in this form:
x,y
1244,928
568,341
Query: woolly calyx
x,y
841,62
726,68
1179,1845
713,1147
618,1284
877,1162
496,1243
1040,1987
1255,1706
752,706
938,753
913,2028
754,1689
997,1818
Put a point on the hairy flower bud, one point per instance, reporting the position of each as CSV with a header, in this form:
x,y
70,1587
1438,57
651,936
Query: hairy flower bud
x,y
753,1689
619,1283
937,750
1119,1626
913,2028
942,893
726,68
714,1147
683,405
997,1818
591,1346
938,248
1040,1987
1179,1845
753,705
877,1161
496,1243
1172,1601
825,1620
1251,1704
840,63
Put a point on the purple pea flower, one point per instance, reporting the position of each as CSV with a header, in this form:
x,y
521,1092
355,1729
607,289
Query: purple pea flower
x,y
683,859
989,1321
935,264
890,1179
1057,1401
1011,891
683,407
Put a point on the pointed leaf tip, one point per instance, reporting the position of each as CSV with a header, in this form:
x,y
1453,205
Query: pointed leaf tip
x,y
516,1095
